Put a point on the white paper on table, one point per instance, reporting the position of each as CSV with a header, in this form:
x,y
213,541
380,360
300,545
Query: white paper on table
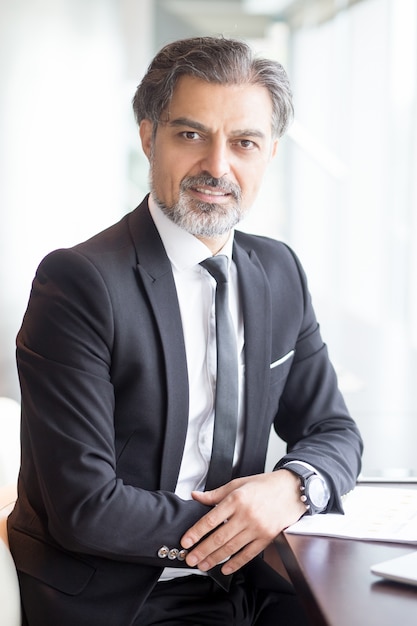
x,y
371,513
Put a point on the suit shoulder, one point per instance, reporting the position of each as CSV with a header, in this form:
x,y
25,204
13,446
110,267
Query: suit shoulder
x,y
266,248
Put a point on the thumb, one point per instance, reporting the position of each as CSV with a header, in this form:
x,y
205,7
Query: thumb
x,y
214,496
207,497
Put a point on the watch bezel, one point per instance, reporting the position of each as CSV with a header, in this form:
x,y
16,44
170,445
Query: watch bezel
x,y
308,478
317,499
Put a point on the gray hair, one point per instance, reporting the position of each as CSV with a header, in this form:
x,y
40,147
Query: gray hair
x,y
214,60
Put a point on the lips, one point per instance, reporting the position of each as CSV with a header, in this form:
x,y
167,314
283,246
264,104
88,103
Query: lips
x,y
211,187
211,192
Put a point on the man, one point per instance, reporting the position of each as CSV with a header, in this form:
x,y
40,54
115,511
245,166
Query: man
x,y
116,357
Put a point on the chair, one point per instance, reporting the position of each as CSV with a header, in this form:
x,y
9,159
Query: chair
x,y
9,440
10,611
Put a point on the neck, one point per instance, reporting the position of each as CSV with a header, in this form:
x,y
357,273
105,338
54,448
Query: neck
x,y
214,244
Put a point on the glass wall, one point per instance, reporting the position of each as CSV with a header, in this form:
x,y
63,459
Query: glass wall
x,y
352,218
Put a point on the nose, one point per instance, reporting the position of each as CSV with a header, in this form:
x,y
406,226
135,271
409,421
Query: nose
x,y
216,160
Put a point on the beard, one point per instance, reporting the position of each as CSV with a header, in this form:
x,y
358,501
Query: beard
x,y
204,219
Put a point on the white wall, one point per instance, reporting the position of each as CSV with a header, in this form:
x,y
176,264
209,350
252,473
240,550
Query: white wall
x,y
68,72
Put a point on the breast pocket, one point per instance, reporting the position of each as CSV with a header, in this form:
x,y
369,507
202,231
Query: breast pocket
x,y
281,367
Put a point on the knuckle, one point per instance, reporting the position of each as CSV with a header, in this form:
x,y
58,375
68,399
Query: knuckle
x,y
263,528
239,497
211,522
233,547
218,539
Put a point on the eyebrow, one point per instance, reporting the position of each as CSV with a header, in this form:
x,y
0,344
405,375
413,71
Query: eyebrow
x,y
185,121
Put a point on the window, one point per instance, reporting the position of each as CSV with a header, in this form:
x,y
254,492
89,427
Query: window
x,y
352,212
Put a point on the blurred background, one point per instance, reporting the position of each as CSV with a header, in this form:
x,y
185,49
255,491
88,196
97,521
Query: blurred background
x,y
342,190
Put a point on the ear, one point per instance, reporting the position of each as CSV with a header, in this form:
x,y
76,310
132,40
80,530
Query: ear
x,y
145,133
274,148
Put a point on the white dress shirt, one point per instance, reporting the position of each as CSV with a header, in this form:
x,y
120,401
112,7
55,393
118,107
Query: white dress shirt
x,y
196,290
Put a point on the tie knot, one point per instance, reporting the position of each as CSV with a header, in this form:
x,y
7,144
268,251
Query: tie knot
x,y
217,267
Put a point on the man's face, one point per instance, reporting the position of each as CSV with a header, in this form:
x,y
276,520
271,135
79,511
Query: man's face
x,y
209,154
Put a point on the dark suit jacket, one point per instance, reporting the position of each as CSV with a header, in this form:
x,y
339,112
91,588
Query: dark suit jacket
x,y
102,365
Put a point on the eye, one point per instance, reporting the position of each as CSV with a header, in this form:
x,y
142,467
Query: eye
x,y
190,135
246,144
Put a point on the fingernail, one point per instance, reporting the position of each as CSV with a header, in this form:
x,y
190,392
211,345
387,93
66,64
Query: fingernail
x,y
204,566
191,560
186,543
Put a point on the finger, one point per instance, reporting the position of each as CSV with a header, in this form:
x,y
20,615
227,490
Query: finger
x,y
214,496
206,497
246,554
216,549
206,525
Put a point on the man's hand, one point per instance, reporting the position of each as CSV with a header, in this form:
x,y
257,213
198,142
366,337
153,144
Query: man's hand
x,y
248,514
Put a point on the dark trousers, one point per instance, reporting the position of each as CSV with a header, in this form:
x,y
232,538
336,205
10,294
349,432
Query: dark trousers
x,y
199,601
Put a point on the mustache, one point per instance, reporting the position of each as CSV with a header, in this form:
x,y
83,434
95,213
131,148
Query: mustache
x,y
220,184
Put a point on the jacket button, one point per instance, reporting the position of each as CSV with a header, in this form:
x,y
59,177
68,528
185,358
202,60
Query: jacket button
x,y
163,552
173,553
182,554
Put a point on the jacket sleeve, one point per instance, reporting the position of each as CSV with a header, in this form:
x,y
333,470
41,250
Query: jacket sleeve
x,y
68,481
312,417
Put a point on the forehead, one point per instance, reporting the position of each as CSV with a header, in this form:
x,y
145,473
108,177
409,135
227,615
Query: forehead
x,y
228,106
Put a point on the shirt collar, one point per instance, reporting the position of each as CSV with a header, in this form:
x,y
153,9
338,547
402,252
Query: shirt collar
x,y
183,249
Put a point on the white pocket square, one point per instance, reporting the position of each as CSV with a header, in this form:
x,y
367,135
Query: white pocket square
x,y
282,359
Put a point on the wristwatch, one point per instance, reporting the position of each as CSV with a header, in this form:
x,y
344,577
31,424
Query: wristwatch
x,y
314,490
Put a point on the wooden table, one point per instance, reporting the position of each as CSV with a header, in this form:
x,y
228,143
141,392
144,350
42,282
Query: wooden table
x,y
336,587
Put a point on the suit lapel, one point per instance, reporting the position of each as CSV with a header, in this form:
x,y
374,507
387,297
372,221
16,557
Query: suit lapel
x,y
156,276
155,271
256,305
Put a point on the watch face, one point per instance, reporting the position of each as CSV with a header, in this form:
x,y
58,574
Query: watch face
x,y
317,493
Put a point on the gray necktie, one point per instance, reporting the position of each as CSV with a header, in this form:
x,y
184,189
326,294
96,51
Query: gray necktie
x,y
226,403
